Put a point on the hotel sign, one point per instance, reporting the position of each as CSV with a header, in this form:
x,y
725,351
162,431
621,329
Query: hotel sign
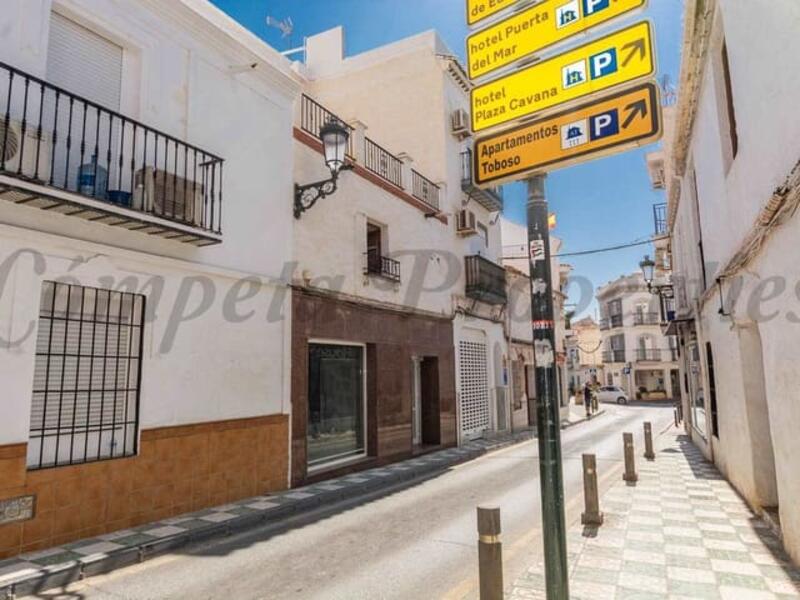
x,y
615,59
604,126
479,10
537,28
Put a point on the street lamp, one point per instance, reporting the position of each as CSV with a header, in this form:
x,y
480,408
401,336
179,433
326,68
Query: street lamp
x,y
648,269
334,135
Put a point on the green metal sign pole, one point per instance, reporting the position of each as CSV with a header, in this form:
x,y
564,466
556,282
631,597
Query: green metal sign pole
x,y
547,409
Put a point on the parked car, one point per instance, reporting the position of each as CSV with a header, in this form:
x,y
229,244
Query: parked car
x,y
612,393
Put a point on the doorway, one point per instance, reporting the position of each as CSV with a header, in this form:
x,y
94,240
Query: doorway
x,y
675,377
425,424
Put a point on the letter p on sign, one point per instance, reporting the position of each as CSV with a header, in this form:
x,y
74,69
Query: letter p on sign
x,y
604,63
592,6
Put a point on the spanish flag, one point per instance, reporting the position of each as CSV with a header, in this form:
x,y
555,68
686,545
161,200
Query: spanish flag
x,y
551,221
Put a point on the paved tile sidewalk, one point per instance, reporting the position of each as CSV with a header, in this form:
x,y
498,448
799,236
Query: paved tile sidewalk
x,y
681,532
59,566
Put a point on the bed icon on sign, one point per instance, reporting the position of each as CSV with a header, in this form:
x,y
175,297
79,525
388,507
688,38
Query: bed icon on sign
x,y
574,134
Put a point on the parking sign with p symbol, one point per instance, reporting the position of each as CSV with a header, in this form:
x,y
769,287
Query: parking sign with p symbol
x,y
604,63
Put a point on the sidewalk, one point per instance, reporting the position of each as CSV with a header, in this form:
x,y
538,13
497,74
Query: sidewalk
x,y
680,532
59,566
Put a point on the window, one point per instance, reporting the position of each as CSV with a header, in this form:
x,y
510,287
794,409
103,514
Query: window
x,y
729,108
84,63
89,66
712,391
374,248
614,311
85,404
336,407
483,233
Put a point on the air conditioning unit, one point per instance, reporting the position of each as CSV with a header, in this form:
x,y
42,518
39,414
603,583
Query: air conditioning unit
x,y
169,196
34,146
460,123
466,223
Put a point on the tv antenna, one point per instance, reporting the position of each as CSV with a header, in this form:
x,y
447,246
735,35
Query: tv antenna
x,y
286,27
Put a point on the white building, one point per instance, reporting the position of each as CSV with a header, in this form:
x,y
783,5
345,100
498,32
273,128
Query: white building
x,y
636,354
400,267
144,361
733,189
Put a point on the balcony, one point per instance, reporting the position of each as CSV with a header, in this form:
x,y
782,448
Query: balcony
x,y
614,356
424,189
646,318
486,281
383,163
611,322
660,219
371,156
648,355
313,116
381,266
605,325
491,199
63,153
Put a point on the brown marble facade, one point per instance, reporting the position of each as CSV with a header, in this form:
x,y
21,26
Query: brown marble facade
x,y
391,339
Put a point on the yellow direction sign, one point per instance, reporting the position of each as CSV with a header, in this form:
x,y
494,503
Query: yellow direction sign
x,y
536,28
604,126
618,58
478,10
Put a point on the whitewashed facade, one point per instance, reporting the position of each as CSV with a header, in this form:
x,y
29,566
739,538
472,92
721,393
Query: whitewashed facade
x,y
166,250
637,356
733,193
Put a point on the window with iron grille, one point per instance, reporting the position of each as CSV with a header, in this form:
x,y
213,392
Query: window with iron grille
x,y
85,404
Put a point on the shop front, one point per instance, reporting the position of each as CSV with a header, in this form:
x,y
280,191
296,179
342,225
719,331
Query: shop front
x,y
370,385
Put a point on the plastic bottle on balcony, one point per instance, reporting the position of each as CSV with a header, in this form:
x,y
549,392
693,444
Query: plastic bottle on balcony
x,y
93,179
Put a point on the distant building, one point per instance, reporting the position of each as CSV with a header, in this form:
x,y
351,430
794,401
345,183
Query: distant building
x,y
636,354
584,354
519,328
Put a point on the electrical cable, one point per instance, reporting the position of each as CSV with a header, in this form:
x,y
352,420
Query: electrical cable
x,y
609,249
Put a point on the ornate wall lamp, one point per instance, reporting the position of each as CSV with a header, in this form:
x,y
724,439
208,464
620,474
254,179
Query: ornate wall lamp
x,y
334,135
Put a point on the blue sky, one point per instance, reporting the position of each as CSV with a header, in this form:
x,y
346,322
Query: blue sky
x,y
602,203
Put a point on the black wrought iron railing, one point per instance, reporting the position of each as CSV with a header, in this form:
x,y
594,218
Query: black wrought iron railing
x,y
486,281
615,321
660,219
313,116
53,137
646,318
614,356
604,324
491,198
424,189
383,163
648,354
382,266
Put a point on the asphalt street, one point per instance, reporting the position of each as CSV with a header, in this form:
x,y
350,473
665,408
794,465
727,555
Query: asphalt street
x,y
417,542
